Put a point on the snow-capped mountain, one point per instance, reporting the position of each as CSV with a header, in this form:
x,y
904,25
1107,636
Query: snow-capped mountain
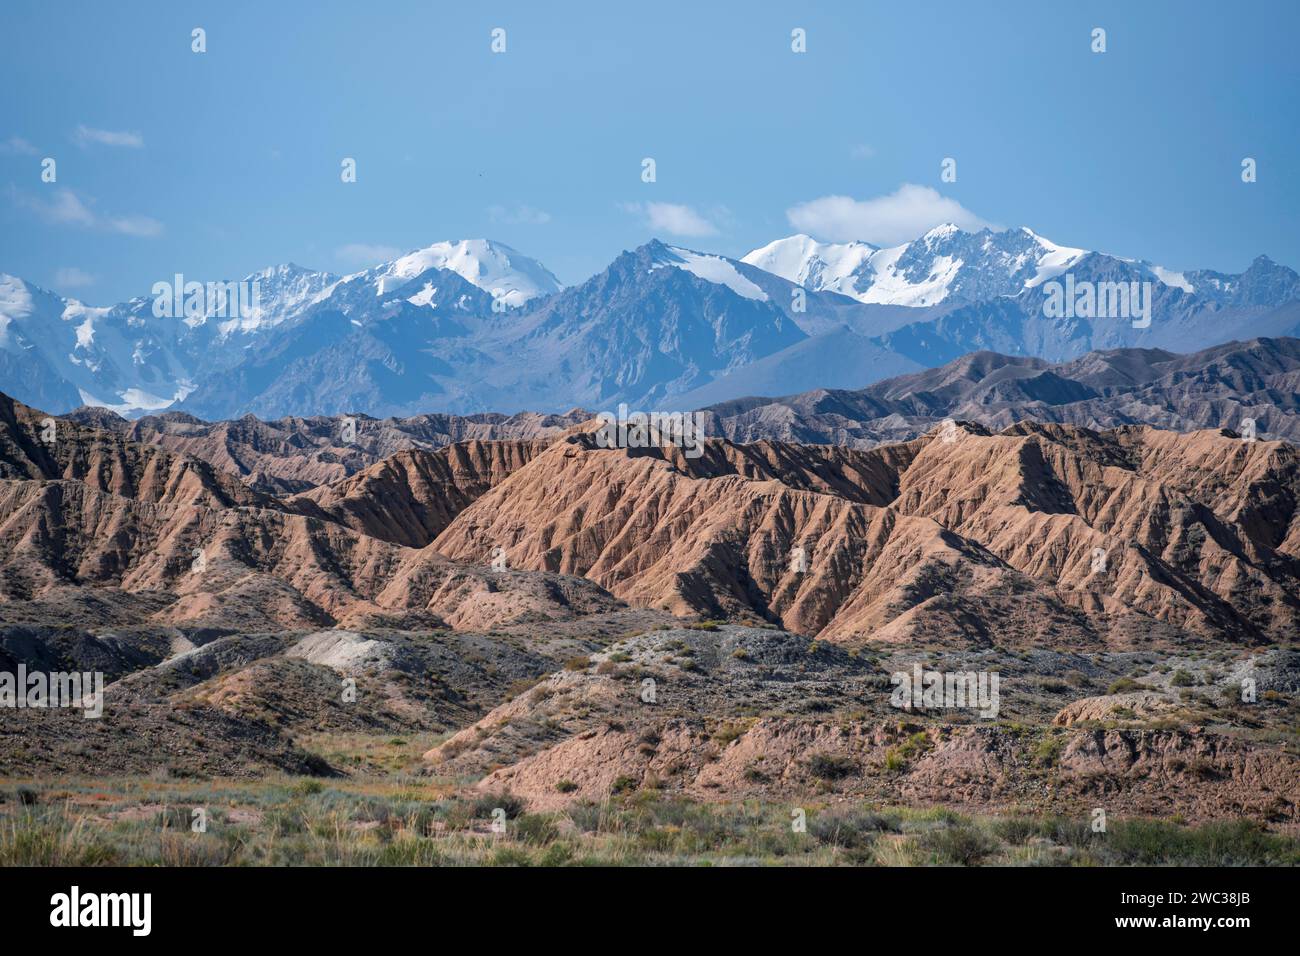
x,y
659,321
821,266
144,354
945,264
283,292
492,266
473,325
151,352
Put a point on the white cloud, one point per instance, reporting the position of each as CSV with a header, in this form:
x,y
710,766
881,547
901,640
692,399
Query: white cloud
x,y
64,209
862,151
141,226
17,146
364,254
85,135
518,215
672,218
67,209
70,277
904,214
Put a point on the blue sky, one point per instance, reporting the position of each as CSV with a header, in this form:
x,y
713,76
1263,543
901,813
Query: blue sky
x,y
218,164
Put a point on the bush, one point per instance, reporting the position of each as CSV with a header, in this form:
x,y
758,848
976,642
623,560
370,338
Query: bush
x,y
512,805
1016,830
535,829
727,733
831,766
1124,685
850,829
566,786
958,846
1049,750
1224,843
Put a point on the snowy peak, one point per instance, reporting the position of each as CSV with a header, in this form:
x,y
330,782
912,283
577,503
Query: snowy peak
x,y
711,268
950,265
491,266
947,263
819,266
282,292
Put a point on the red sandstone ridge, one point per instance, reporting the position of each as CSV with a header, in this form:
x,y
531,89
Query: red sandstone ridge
x,y
989,535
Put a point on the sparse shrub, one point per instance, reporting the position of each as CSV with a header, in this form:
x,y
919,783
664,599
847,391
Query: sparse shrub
x,y
623,784
1015,830
850,829
958,845
521,686
1182,678
566,786
728,732
826,766
1049,750
535,829
510,856
557,854
484,805
709,625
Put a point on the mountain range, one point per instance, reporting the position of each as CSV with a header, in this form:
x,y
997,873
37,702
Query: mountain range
x,y
474,326
1225,387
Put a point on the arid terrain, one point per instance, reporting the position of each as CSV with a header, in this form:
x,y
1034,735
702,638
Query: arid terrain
x,y
438,617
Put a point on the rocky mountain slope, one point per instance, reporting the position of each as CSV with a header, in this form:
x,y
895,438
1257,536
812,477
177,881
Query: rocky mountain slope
x,y
460,327
93,525
288,455
963,535
1219,387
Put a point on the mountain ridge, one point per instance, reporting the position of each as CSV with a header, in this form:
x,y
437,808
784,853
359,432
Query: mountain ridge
x,y
460,327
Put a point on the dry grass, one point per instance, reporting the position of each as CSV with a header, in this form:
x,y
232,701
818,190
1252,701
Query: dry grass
x,y
426,822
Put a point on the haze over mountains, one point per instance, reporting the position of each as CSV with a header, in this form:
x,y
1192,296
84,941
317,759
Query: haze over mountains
x,y
475,326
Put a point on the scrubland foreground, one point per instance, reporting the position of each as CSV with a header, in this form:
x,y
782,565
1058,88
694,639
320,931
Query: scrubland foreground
x,y
367,821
